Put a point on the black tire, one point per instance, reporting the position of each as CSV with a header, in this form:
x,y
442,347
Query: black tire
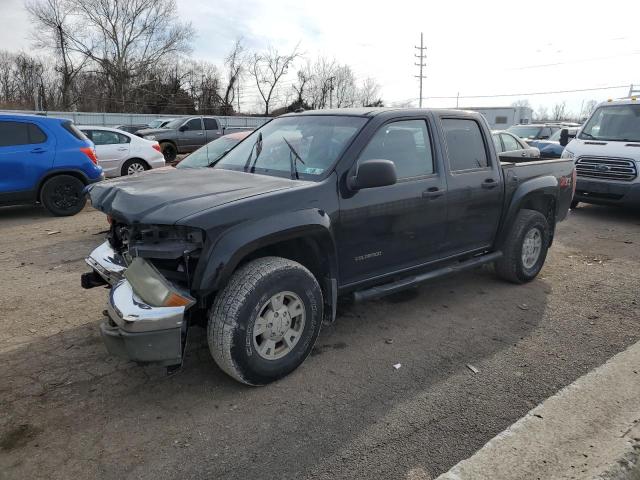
x,y
62,195
169,151
574,204
232,319
511,266
139,165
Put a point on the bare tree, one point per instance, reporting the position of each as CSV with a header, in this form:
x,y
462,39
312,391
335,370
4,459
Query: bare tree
x,y
125,39
542,113
301,86
345,87
235,63
267,69
559,111
523,102
53,25
369,93
588,108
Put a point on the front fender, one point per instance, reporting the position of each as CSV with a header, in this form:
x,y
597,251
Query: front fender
x,y
222,257
543,186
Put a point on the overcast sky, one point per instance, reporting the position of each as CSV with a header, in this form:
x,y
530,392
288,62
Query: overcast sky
x,y
486,47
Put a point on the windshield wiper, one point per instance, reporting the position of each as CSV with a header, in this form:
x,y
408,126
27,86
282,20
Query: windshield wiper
x,y
257,144
294,167
587,135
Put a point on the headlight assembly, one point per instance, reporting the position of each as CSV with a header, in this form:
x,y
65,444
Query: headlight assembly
x,y
149,284
567,154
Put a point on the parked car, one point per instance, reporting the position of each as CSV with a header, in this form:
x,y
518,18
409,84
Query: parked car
x,y
132,128
361,202
508,146
159,123
606,152
552,148
541,131
185,135
121,153
45,160
212,151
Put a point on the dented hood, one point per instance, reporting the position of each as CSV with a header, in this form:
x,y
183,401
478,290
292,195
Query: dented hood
x,y
165,196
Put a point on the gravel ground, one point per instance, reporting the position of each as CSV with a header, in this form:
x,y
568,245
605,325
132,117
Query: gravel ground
x,y
71,411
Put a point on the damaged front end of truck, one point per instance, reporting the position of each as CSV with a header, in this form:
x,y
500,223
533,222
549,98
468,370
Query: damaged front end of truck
x,y
148,269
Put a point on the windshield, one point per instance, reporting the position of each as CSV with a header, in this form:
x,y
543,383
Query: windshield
x,y
309,144
212,151
156,123
556,135
175,123
613,122
525,132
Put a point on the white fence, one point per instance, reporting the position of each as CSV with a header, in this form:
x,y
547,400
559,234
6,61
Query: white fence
x,y
113,119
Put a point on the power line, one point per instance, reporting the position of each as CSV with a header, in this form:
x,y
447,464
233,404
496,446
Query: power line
x,y
577,90
420,63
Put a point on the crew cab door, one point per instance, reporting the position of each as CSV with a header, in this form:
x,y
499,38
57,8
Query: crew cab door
x,y
27,152
212,129
388,229
475,189
191,135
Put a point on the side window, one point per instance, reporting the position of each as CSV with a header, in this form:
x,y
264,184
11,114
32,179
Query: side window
x,y
465,145
210,124
20,133
497,142
545,133
406,143
104,137
510,143
194,124
123,138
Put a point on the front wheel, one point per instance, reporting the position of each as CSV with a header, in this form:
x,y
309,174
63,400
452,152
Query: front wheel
x,y
525,249
264,323
62,195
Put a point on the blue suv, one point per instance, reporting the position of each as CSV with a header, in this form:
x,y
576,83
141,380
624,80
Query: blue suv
x,y
46,160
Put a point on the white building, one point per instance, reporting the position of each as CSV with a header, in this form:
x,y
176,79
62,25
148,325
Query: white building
x,y
500,118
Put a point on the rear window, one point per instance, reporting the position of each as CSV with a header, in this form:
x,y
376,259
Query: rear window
x,y
465,145
73,130
20,133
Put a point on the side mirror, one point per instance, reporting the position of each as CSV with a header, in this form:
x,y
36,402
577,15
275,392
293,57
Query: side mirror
x,y
564,137
373,173
183,128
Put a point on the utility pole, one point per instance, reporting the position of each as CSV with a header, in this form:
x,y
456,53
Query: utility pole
x,y
331,79
421,57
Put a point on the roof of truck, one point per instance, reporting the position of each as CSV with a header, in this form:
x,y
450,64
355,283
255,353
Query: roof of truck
x,y
373,111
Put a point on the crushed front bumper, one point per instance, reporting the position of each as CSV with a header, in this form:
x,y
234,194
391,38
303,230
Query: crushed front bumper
x,y
135,330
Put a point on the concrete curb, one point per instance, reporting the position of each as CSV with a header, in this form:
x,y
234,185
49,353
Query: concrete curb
x,y
588,430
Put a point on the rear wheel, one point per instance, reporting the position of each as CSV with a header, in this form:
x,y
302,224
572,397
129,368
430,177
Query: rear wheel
x,y
169,151
62,195
525,249
264,323
133,166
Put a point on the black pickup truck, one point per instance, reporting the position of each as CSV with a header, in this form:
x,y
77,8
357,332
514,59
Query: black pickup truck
x,y
307,208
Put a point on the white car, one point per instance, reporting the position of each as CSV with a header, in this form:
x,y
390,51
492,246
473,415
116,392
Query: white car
x,y
121,153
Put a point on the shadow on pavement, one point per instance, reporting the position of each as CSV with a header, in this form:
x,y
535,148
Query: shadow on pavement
x,y
70,410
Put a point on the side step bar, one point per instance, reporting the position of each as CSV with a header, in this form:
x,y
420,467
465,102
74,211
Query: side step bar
x,y
404,283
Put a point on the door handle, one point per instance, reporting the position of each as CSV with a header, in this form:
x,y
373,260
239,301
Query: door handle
x,y
433,192
200,133
523,154
38,150
122,149
489,183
